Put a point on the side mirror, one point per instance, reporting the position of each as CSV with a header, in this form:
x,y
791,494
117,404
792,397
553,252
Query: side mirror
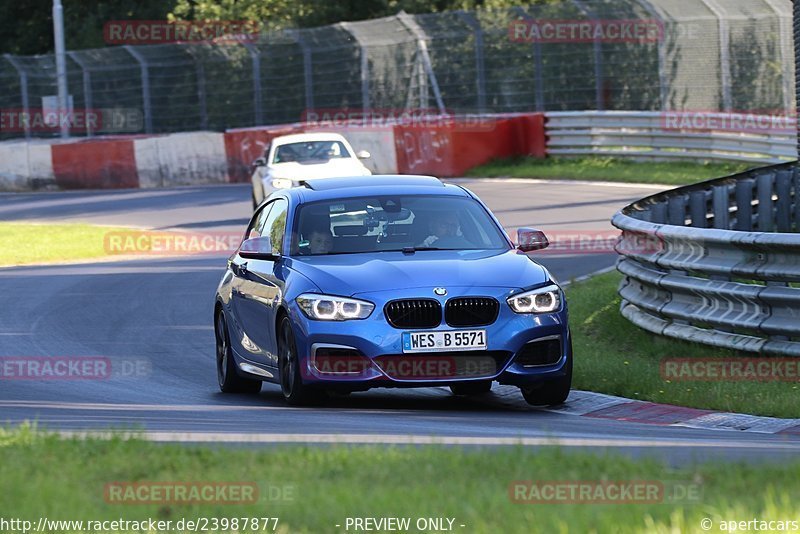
x,y
363,154
260,162
530,239
258,248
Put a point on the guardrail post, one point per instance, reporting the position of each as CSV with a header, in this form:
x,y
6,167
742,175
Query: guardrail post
x,y
783,205
744,205
720,200
676,211
796,179
697,209
765,184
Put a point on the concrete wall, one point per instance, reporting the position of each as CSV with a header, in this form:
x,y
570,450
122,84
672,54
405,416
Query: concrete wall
x,y
444,147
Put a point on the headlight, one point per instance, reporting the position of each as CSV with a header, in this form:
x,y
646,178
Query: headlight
x,y
283,183
543,300
327,308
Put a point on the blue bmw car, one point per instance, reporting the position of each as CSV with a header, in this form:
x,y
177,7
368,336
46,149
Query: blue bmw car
x,y
347,284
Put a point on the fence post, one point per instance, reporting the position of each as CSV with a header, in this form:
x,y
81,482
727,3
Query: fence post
x,y
364,67
724,53
597,49
87,88
422,48
796,33
538,66
200,73
663,82
23,84
785,37
255,56
146,103
308,75
480,69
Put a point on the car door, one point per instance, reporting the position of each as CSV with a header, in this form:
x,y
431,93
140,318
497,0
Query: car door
x,y
257,288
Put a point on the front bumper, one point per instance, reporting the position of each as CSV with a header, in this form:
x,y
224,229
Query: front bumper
x,y
372,349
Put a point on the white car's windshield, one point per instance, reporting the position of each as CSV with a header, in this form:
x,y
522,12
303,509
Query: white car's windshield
x,y
395,223
310,151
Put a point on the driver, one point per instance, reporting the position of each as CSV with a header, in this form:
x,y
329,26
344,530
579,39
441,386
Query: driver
x,y
444,227
320,241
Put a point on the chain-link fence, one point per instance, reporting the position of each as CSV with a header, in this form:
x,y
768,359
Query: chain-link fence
x,y
710,55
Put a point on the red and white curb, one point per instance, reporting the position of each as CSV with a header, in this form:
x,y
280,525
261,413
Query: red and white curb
x,y
601,406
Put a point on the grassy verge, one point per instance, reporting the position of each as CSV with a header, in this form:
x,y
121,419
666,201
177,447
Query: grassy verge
x,y
613,356
316,488
607,169
22,243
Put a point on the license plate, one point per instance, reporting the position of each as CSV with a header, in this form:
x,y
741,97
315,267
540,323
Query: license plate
x,y
448,340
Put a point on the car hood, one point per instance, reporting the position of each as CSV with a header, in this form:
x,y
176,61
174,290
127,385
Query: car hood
x,y
327,169
352,274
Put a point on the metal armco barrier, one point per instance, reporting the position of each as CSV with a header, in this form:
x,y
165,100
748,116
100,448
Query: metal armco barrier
x,y
717,262
670,135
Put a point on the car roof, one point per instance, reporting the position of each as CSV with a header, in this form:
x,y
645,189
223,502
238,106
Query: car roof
x,y
304,137
376,184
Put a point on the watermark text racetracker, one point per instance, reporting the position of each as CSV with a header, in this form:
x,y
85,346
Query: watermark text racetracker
x,y
72,368
566,242
604,492
586,31
754,121
47,120
735,369
421,118
148,32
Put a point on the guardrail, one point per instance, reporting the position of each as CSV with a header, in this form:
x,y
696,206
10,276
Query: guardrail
x,y
673,135
717,262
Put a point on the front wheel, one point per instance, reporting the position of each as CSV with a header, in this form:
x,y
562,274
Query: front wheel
x,y
552,392
228,379
294,391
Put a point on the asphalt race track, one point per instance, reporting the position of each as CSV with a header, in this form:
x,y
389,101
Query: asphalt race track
x,y
153,315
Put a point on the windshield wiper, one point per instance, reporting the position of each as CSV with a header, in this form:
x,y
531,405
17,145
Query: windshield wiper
x,y
412,250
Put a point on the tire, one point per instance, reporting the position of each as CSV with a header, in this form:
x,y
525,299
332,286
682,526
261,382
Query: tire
x,y
479,387
552,392
227,376
294,391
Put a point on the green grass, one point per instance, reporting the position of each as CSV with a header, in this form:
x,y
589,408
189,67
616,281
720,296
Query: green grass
x,y
64,479
607,169
615,357
22,243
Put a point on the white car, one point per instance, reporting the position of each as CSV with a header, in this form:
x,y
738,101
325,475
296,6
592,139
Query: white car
x,y
291,159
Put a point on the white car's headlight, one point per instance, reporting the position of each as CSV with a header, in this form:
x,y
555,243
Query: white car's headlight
x,y
543,300
283,183
327,308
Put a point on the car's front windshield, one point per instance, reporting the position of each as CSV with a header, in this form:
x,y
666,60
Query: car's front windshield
x,y
395,223
308,151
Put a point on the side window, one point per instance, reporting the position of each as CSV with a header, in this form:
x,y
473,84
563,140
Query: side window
x,y
254,230
275,224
